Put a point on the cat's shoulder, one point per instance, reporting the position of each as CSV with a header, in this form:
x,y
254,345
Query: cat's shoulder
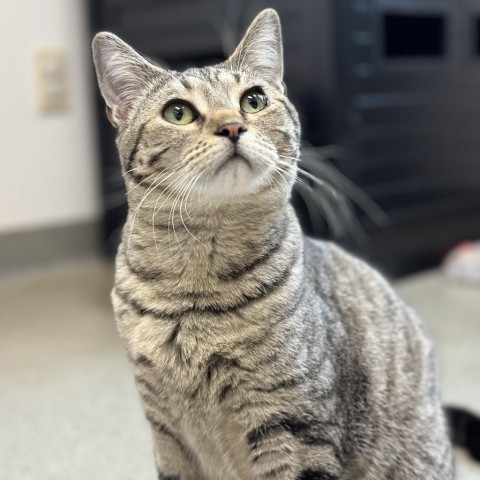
x,y
355,288
327,252
335,264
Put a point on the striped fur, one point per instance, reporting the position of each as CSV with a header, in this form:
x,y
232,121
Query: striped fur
x,y
258,353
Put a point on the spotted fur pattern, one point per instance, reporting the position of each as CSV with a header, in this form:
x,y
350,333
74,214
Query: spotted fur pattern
x,y
259,354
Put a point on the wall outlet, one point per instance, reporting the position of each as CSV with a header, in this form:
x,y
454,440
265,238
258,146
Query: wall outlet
x,y
51,80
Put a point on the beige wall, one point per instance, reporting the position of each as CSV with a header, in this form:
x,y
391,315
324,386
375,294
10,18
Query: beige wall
x,y
48,172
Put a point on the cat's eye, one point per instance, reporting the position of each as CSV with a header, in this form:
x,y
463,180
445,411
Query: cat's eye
x,y
179,113
253,101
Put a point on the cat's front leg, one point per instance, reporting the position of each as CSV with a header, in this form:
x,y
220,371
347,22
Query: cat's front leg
x,y
277,452
172,458
272,453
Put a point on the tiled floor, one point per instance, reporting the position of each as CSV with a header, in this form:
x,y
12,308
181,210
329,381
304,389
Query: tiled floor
x,y
68,406
451,311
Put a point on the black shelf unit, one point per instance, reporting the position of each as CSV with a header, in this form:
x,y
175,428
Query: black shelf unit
x,y
406,113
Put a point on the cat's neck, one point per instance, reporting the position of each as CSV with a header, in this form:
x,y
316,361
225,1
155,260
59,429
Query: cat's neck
x,y
205,242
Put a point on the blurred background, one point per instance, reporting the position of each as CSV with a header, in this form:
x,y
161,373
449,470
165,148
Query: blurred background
x,y
388,94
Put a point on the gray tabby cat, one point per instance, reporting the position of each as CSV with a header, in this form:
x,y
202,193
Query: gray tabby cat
x,y
258,353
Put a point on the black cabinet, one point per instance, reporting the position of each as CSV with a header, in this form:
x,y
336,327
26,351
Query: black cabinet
x,y
395,83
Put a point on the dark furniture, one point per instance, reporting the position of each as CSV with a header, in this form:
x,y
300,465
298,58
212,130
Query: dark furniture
x,y
395,83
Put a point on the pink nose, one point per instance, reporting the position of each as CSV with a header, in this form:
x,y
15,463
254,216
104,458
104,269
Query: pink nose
x,y
231,130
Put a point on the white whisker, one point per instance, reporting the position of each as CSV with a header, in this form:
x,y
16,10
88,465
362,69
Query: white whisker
x,y
146,194
172,210
188,190
155,211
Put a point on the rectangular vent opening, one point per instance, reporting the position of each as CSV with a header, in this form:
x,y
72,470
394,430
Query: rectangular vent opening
x,y
477,36
408,35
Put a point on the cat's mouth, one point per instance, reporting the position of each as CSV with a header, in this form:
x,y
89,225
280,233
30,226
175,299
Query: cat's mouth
x,y
233,174
233,160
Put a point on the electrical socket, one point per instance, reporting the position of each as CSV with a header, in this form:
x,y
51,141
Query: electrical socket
x,y
51,80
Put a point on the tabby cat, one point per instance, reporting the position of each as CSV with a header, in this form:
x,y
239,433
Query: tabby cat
x,y
258,353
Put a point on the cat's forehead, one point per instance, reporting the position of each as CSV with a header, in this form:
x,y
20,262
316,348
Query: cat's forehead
x,y
209,87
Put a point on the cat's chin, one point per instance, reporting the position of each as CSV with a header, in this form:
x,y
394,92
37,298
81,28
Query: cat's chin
x,y
235,177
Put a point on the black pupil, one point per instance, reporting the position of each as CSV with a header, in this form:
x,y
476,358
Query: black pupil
x,y
252,100
178,112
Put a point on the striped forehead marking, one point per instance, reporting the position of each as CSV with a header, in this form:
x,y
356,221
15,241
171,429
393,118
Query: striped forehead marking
x,y
210,87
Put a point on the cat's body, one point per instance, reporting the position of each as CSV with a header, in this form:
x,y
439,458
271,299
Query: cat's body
x,y
259,354
321,369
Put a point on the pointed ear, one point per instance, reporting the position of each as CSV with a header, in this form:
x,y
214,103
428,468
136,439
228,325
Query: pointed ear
x,y
261,48
122,74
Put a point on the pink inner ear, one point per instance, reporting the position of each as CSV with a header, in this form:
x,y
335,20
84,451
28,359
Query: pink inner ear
x,y
261,48
122,74
111,116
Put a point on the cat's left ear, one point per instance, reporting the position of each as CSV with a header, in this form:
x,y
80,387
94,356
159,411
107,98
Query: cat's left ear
x,y
261,48
123,75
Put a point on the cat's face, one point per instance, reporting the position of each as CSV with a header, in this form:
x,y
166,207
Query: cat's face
x,y
220,132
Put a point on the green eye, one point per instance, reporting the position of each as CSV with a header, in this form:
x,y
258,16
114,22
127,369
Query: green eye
x,y
253,101
179,113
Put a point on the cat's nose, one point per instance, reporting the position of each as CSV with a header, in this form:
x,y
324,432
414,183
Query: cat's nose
x,y
232,130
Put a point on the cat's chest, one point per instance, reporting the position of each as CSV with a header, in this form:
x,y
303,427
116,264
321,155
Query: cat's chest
x,y
219,442
192,357
196,399
198,372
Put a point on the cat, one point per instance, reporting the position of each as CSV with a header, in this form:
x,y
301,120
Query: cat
x,y
258,353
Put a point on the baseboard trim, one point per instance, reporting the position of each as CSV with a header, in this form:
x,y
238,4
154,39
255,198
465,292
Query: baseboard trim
x,y
42,247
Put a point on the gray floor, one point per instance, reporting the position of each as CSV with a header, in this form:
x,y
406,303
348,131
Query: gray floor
x,y
68,406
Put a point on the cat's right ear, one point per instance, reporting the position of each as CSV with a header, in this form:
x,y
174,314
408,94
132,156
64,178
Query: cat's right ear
x,y
122,74
261,48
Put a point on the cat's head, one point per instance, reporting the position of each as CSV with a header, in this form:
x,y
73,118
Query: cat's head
x,y
221,132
